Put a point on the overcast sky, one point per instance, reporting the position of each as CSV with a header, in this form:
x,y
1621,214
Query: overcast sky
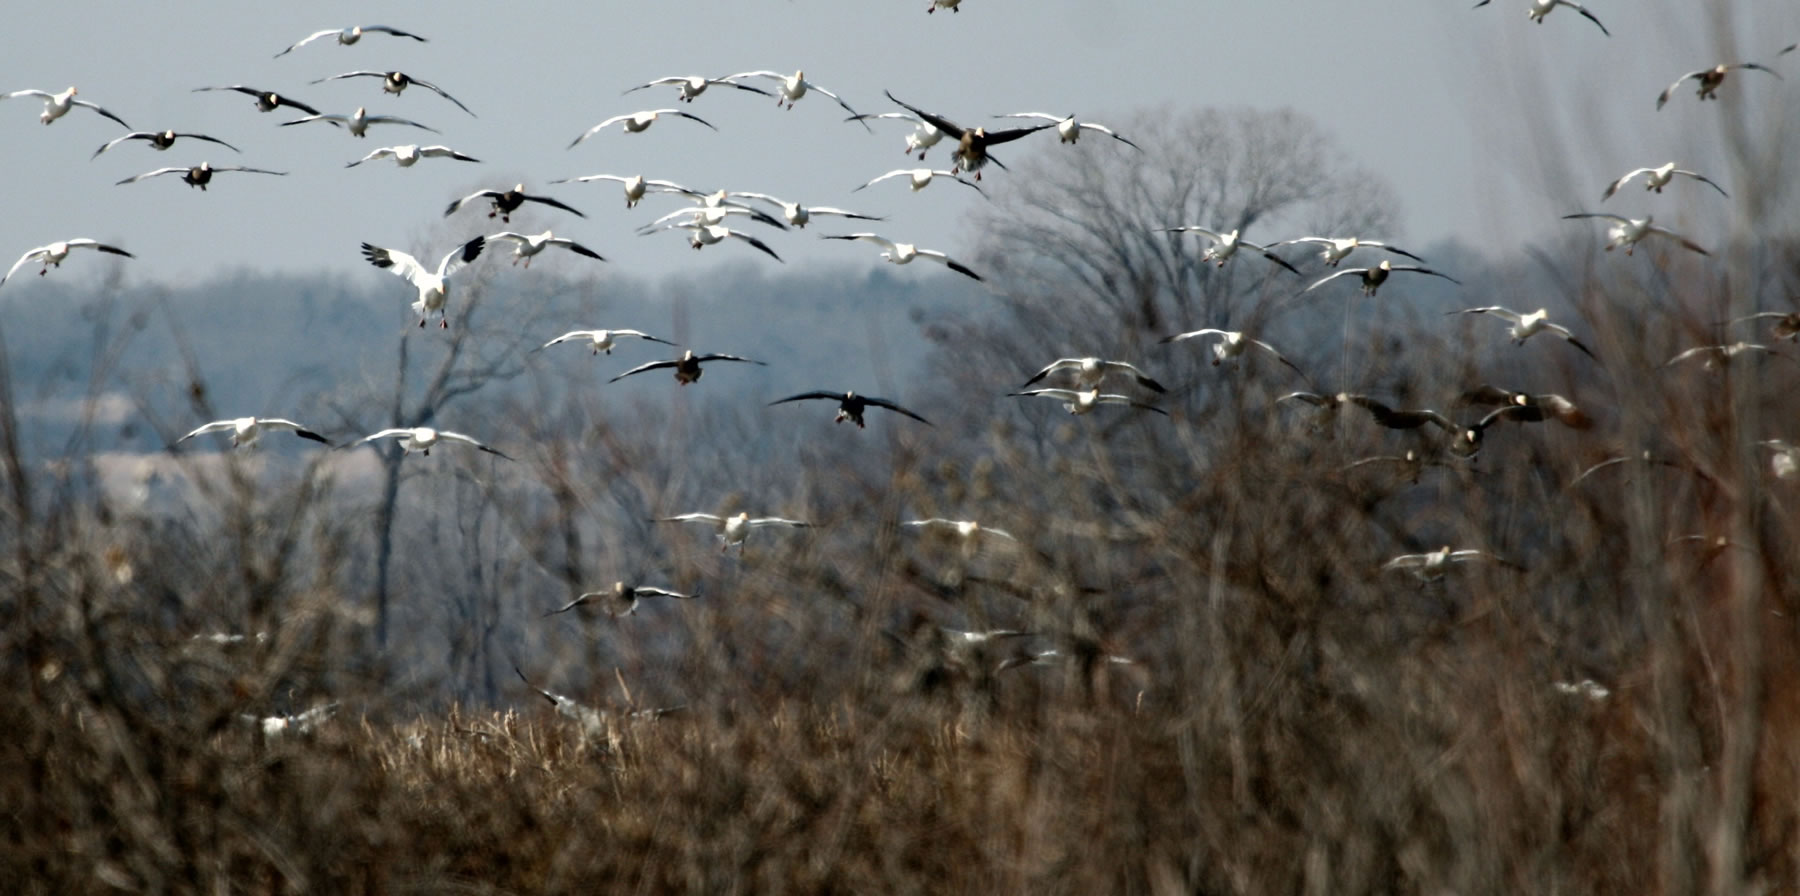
x,y
1473,115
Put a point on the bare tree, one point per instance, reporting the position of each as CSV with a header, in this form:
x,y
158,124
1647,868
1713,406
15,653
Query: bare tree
x,y
1083,224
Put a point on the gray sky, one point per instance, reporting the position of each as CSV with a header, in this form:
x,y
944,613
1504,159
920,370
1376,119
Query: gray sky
x,y
1474,116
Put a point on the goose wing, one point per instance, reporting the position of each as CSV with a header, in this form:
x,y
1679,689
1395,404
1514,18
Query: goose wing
x,y
446,435
884,403
948,262
641,368
301,431
179,169
460,256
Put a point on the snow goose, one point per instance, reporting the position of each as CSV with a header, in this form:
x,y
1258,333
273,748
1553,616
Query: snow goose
x,y
348,36
635,186
922,137
1090,371
1412,463
199,175
408,155
52,255
946,4
56,105
1715,357
1526,407
593,722
266,100
1337,249
1430,566
1525,326
602,340
733,529
798,215
508,201
637,122
1068,130
246,430
433,286
302,724
1787,323
904,253
396,84
1710,79
1231,345
1085,400
851,405
422,439
711,234
689,87
967,530
971,143
1628,232
358,122
687,367
1657,178
706,216
795,86
920,178
1541,8
158,140
1225,245
1784,462
621,599
531,244
1372,278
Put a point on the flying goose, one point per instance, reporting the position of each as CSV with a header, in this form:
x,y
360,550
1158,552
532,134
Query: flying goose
x,y
1525,326
621,599
1657,178
358,122
508,201
1429,567
1231,345
396,84
922,137
1337,249
531,244
1710,79
591,720
733,529
706,216
1068,130
158,140
689,87
52,255
1225,245
920,178
637,122
904,253
1090,371
199,175
422,439
964,529
299,724
1787,323
348,36
971,144
1395,419
1628,232
1541,8
407,155
710,234
851,405
1372,278
246,430
946,4
1718,356
635,186
798,215
602,340
1412,463
687,367
795,86
1526,407
56,105
1053,656
1085,400
266,100
433,286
